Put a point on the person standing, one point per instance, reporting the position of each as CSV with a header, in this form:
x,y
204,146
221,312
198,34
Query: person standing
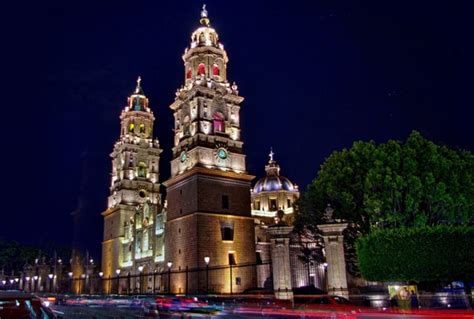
x,y
404,298
414,300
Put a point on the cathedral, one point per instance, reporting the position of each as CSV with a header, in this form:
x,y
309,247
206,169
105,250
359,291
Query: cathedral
x,y
214,232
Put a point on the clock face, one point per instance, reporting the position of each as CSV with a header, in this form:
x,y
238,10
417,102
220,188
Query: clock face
x,y
222,153
183,157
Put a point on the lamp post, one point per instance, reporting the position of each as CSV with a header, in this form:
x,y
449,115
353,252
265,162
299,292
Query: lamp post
x,y
28,284
117,271
101,275
169,276
50,276
17,280
231,278
154,281
140,279
35,277
206,260
70,274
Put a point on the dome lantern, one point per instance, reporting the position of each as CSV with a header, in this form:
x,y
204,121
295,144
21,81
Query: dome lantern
x,y
274,181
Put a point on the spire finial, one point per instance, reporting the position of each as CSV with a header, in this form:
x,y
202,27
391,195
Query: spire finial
x,y
204,19
271,154
138,89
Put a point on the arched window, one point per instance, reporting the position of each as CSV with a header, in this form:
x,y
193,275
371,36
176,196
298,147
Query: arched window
x,y
142,128
131,128
141,169
138,244
215,70
160,229
125,226
218,122
189,74
201,69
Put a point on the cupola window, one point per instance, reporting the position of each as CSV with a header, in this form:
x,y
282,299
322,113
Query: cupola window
x,y
138,104
201,69
142,128
218,122
215,70
189,74
273,204
131,127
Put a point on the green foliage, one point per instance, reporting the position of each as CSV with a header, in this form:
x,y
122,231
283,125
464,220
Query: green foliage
x,y
440,253
395,184
13,255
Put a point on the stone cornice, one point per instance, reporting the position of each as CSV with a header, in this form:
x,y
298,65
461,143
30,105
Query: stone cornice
x,y
204,50
209,172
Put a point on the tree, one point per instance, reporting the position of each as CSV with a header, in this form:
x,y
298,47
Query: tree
x,y
393,184
13,255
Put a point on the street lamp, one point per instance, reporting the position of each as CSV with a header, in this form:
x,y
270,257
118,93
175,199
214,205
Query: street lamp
x,y
27,282
50,276
16,283
117,271
169,276
206,260
154,280
70,274
140,270
101,275
35,277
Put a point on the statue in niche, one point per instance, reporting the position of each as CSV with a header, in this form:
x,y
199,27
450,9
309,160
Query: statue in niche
x,y
138,215
146,210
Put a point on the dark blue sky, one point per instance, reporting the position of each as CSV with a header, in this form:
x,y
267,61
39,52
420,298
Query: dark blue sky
x,y
316,75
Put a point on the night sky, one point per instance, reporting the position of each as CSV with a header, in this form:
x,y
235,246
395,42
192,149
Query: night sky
x,y
316,76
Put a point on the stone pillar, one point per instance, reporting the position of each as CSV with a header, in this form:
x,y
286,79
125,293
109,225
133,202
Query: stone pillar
x,y
336,262
280,252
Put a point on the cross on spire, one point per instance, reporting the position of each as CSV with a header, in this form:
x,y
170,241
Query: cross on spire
x,y
204,18
138,89
203,11
271,154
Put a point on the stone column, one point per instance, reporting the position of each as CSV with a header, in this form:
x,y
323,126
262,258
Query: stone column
x,y
280,252
336,262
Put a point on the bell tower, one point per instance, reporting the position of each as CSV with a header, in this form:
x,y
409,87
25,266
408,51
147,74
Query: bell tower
x,y
134,204
208,194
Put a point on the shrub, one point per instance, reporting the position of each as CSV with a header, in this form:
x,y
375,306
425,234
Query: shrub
x,y
439,253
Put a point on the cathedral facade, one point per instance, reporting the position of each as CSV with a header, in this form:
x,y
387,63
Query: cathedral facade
x,y
214,233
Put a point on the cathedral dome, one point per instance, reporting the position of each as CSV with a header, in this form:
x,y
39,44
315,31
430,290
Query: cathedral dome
x,y
274,181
